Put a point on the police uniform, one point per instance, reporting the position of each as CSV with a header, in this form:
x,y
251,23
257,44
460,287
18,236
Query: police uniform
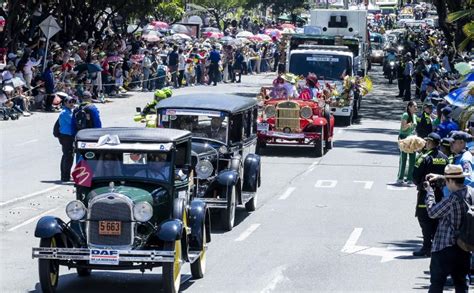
x,y
425,124
432,161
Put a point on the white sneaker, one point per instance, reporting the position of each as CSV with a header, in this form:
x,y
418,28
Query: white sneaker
x,y
26,114
400,181
410,183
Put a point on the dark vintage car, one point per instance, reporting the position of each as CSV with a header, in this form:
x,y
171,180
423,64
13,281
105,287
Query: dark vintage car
x,y
133,209
224,137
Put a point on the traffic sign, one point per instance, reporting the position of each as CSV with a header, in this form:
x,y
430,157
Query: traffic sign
x,y
49,27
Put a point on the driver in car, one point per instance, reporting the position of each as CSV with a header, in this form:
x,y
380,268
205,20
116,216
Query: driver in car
x,y
217,131
157,168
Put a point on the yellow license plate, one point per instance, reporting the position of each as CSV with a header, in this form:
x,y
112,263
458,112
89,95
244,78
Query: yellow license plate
x,y
112,228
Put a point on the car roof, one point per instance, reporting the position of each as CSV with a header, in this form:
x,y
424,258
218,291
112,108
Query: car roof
x,y
218,102
134,134
327,52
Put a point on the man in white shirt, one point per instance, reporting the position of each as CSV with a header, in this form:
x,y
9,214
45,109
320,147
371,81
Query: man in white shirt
x,y
28,70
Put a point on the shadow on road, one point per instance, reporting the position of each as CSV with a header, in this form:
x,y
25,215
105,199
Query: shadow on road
x,y
374,130
216,223
107,281
290,151
379,147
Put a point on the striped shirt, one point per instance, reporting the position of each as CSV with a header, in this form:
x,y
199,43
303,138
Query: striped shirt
x,y
449,211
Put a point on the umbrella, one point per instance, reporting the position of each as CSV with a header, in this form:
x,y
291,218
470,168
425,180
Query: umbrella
x,y
468,78
261,38
179,28
159,24
244,34
17,82
273,33
114,59
288,31
460,97
91,68
463,68
227,39
134,28
211,29
152,36
213,35
179,37
288,25
137,58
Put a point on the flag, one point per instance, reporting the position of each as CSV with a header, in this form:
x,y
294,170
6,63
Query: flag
x,y
82,173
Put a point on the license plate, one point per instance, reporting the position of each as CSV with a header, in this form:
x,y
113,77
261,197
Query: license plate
x,y
103,257
262,127
112,228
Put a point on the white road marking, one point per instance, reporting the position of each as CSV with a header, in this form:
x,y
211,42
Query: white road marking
x,y
32,220
350,246
277,278
325,184
247,232
4,203
397,188
287,193
367,184
27,142
310,168
389,253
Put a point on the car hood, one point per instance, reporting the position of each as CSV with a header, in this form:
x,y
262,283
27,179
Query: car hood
x,y
134,193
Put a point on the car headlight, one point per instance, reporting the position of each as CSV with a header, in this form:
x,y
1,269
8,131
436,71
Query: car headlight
x,y
204,169
306,112
392,63
142,211
75,210
270,111
223,149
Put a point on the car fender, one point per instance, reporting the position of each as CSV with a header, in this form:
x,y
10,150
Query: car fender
x,y
170,230
199,216
228,177
251,173
48,227
320,121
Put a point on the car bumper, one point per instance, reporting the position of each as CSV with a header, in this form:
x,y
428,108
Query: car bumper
x,y
84,254
276,137
342,111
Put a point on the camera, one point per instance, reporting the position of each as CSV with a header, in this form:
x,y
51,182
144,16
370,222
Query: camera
x,y
438,184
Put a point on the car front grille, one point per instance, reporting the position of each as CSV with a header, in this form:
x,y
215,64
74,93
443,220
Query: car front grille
x,y
288,116
111,207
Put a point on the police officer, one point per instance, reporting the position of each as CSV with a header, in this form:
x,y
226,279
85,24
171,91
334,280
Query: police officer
x,y
461,156
425,123
432,161
445,146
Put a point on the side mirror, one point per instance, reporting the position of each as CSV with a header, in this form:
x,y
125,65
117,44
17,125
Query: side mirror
x,y
138,109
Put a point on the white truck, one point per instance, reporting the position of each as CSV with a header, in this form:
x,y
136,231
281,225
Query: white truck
x,y
346,23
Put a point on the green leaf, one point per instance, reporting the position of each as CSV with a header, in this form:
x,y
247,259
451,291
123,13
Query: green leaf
x,y
464,44
455,16
468,29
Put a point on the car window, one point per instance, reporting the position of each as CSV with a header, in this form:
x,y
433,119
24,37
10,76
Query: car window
x,y
213,127
236,127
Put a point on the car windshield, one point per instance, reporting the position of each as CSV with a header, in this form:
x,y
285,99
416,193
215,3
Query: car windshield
x,y
211,125
329,67
140,165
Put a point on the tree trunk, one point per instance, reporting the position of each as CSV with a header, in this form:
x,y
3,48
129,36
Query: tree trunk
x,y
442,14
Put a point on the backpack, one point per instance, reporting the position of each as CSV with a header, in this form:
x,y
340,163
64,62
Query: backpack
x,y
56,132
465,238
83,118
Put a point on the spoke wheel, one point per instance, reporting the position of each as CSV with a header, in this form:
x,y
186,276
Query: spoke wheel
x,y
172,270
198,267
228,214
48,268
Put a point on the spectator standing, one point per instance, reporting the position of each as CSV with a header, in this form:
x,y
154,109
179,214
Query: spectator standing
x,y
48,79
181,67
146,69
407,128
424,124
173,62
238,66
214,58
407,77
66,137
447,258
28,70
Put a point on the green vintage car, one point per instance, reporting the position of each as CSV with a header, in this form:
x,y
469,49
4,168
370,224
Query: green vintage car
x,y
132,211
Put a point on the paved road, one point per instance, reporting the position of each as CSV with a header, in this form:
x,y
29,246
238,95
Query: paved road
x,y
335,223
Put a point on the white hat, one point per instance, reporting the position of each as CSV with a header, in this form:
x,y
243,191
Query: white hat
x,y
454,171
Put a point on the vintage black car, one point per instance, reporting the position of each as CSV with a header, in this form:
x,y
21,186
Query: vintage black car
x,y
133,208
224,137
